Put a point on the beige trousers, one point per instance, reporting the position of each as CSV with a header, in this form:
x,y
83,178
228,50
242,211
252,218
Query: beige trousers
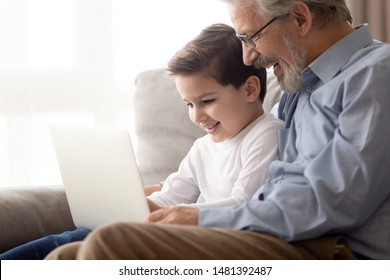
x,y
153,241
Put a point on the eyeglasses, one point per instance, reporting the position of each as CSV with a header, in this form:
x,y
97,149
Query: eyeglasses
x,y
248,40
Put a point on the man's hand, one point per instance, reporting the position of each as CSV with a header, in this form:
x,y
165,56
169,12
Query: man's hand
x,y
175,215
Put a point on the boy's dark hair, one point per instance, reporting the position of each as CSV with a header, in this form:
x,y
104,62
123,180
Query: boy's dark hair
x,y
217,53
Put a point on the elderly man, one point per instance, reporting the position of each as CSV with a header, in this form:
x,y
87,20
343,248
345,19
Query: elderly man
x,y
329,194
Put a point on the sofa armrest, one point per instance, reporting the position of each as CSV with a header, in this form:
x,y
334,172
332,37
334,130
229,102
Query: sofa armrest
x,y
27,213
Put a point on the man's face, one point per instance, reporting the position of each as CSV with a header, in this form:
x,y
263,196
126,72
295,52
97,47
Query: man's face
x,y
274,46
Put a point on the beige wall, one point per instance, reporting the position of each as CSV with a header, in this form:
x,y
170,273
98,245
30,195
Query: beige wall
x,y
376,13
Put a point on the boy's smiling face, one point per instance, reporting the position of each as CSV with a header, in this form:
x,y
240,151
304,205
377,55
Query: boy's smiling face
x,y
222,111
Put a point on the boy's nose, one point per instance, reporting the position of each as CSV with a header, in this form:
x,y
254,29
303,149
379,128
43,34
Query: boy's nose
x,y
198,115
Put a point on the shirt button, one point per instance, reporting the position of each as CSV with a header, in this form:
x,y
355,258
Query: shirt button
x,y
273,181
308,89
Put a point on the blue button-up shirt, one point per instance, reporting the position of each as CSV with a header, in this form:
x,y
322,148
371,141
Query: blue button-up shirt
x,y
334,173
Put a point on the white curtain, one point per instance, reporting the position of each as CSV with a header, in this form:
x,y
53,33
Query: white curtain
x,y
74,61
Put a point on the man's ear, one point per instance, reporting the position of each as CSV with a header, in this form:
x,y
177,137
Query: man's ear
x,y
302,16
252,88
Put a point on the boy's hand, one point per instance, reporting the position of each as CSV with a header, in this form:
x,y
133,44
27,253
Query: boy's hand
x,y
175,215
152,188
152,206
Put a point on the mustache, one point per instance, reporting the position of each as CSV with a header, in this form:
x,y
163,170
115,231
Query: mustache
x,y
264,61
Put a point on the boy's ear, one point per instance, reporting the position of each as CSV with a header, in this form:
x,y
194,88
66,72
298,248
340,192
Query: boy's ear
x,y
252,88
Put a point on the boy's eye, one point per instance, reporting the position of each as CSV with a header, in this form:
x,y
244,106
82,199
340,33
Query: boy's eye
x,y
189,105
208,101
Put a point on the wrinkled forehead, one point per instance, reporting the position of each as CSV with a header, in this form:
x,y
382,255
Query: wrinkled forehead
x,y
245,19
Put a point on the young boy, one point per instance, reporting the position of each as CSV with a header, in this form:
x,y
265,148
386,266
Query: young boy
x,y
225,167
224,97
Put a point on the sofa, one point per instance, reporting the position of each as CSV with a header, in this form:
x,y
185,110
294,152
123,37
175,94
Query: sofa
x,y
164,135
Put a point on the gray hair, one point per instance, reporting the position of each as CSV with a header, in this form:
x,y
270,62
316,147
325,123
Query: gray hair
x,y
325,11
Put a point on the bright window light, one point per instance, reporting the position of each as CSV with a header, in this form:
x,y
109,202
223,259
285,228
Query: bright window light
x,y
3,152
47,171
50,29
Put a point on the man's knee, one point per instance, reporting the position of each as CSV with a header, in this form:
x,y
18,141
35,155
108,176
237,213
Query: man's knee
x,y
111,232
64,252
108,241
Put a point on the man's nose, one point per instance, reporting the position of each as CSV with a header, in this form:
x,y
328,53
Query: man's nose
x,y
249,55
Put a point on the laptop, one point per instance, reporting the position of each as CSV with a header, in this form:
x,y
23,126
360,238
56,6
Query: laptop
x,y
100,174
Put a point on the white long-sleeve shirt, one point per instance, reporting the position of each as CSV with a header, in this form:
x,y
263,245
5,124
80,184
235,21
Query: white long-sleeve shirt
x,y
225,173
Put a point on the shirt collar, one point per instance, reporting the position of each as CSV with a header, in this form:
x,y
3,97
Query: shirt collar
x,y
333,59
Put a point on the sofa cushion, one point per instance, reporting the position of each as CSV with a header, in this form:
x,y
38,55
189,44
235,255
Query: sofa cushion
x,y
27,213
163,128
